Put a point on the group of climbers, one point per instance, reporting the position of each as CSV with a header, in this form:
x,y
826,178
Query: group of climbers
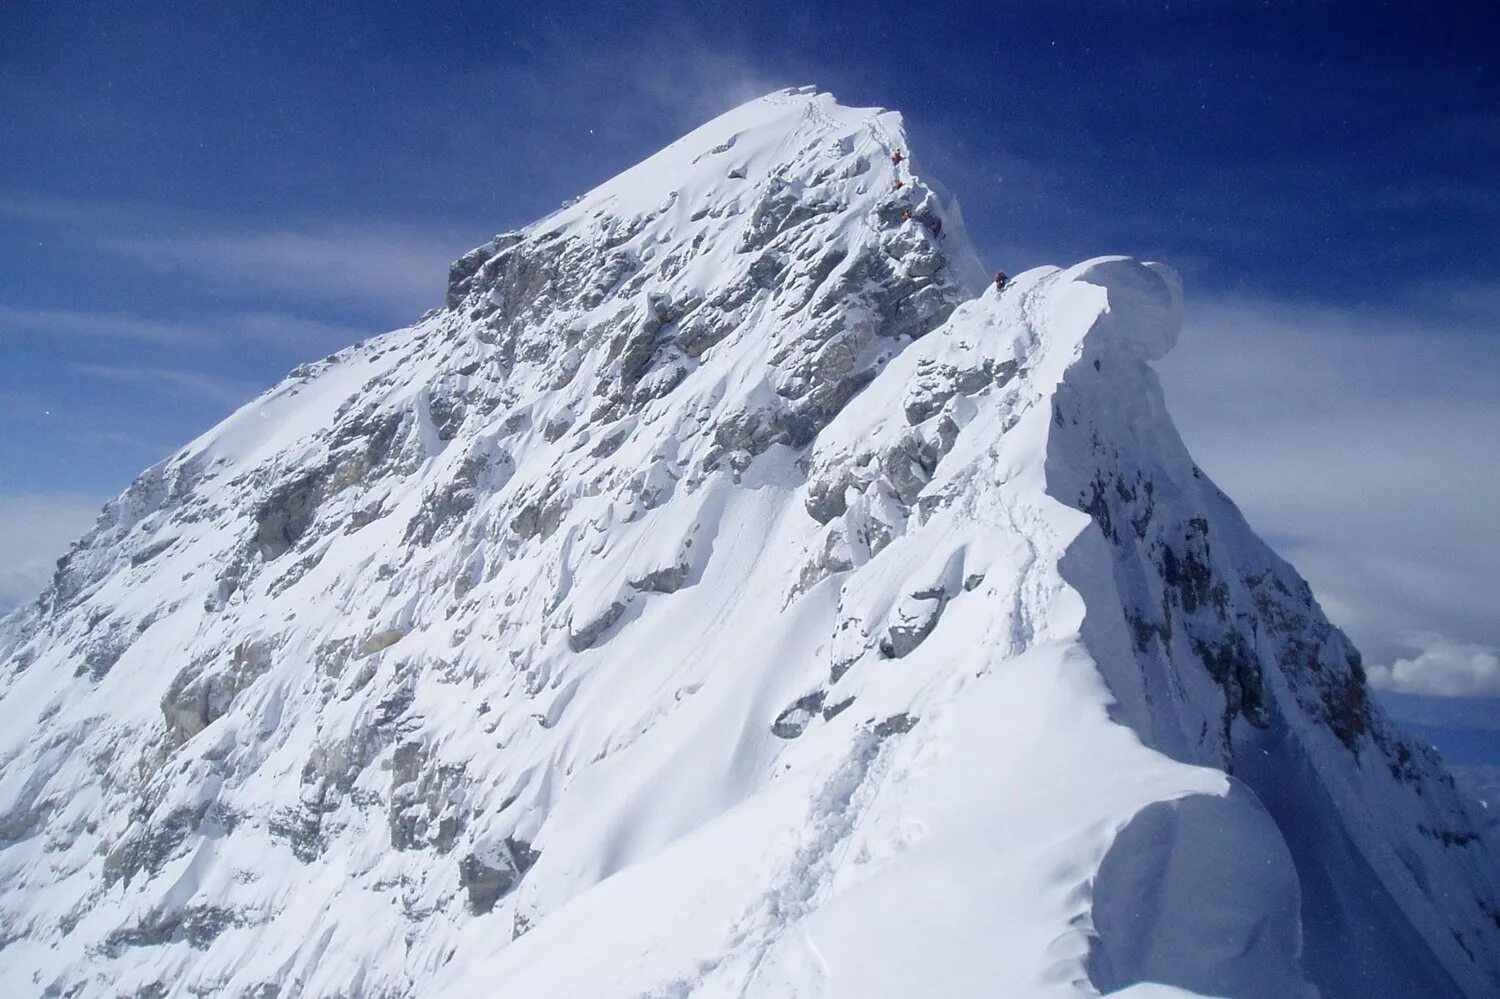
x,y
933,223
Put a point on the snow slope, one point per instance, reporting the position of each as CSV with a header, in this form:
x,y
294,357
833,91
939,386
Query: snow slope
x,y
723,595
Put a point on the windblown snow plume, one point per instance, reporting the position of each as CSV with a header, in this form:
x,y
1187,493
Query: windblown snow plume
x,y
728,593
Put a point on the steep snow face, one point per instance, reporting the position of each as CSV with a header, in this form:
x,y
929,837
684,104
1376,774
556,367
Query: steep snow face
x,y
718,597
1219,655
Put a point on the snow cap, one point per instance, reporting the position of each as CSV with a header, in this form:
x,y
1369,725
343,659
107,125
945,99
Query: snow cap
x,y
1144,310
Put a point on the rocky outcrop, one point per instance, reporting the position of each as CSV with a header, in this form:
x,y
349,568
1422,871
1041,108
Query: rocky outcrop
x,y
485,882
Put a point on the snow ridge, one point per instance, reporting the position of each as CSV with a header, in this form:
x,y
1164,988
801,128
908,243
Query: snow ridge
x,y
722,595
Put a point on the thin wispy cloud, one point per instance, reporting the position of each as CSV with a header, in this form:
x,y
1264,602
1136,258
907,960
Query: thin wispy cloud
x,y
387,262
149,449
225,391
678,78
21,206
308,337
67,322
407,270
698,81
271,329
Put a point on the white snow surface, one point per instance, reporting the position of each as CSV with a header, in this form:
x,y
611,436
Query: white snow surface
x,y
722,596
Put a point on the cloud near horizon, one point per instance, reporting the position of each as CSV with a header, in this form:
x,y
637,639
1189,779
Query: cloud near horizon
x,y
1441,668
1358,445
35,530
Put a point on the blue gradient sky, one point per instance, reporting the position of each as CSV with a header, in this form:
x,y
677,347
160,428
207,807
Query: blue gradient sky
x,y
195,198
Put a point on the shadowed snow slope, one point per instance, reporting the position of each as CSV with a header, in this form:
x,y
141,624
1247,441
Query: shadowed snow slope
x,y
722,596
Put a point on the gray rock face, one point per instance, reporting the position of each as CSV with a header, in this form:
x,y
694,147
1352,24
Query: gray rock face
x,y
900,285
443,508
586,634
666,580
286,514
911,622
204,690
487,882
794,720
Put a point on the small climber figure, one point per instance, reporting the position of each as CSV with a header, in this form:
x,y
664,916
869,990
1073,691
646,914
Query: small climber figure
x,y
1000,280
906,215
896,184
936,225
896,158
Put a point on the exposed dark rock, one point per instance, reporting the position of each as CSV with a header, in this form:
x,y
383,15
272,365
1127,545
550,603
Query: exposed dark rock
x,y
149,844
200,693
1449,837
586,635
826,498
25,817
1346,708
447,415
198,925
461,276
914,621
540,516
488,880
780,208
1188,576
425,807
895,725
833,710
442,508
665,580
1095,503
151,551
610,442
1235,666
793,721
302,829
285,515
102,651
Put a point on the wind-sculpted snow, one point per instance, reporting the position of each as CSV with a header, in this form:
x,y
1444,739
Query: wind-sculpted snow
x,y
720,596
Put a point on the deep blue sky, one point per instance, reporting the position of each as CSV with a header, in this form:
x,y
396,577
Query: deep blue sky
x,y
1310,151
195,198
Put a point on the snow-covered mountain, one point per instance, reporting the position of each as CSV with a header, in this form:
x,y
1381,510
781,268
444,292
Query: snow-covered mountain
x,y
728,593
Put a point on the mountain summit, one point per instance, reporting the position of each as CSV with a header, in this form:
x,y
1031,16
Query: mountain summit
x,y
728,593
